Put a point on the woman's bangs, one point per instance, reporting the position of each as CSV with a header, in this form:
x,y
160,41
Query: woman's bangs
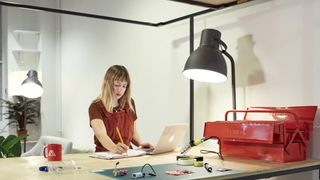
x,y
122,76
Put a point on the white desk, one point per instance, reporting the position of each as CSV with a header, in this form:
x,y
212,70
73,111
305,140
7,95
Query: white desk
x,y
27,167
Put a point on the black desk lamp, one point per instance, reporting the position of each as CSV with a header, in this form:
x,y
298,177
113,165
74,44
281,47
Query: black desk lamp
x,y
207,64
31,87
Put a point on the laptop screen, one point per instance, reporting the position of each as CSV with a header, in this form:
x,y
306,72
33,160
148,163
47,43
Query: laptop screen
x,y
170,138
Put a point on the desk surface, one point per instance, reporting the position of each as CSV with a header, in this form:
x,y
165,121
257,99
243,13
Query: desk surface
x,y
27,167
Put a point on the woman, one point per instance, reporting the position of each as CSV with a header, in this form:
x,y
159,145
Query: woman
x,y
113,109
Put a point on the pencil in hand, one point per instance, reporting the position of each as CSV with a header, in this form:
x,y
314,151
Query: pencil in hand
x,y
119,135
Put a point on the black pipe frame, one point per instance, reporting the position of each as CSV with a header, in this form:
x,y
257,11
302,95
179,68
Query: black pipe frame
x,y
190,16
204,4
191,85
109,18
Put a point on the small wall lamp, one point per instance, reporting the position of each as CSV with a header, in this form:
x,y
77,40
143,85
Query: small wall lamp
x,y
207,64
31,87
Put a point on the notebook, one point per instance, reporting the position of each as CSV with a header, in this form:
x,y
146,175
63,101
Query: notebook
x,y
169,139
110,155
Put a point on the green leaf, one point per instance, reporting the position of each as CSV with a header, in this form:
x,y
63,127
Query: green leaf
x,y
11,146
11,140
1,139
23,136
2,155
15,151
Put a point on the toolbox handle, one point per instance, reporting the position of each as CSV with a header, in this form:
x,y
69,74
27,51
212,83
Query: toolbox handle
x,y
261,111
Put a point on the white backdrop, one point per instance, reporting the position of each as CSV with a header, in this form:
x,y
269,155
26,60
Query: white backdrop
x,y
274,43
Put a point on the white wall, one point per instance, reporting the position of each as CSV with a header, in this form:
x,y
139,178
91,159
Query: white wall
x,y
275,47
152,56
50,66
273,43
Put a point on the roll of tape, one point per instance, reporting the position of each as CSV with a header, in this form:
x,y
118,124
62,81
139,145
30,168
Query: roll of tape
x,y
183,156
185,161
198,161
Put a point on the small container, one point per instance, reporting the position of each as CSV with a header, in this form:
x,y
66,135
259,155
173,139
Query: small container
x,y
198,161
185,161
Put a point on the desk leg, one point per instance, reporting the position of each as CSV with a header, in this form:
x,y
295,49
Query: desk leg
x,y
24,145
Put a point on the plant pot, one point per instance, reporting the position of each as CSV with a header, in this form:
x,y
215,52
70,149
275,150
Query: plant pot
x,y
20,132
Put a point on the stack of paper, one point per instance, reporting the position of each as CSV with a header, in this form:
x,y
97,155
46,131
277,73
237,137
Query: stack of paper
x,y
110,155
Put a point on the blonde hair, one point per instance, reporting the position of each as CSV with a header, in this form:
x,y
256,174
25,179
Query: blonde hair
x,y
115,73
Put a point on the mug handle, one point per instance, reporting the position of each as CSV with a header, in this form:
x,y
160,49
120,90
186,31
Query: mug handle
x,y
45,152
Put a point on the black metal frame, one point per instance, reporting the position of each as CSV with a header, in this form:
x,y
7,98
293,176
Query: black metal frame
x,y
190,16
109,18
191,86
198,3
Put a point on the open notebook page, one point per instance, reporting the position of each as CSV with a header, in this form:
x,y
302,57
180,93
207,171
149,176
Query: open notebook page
x,y
110,155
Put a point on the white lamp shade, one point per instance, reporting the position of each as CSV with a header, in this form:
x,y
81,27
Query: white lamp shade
x,y
31,90
203,75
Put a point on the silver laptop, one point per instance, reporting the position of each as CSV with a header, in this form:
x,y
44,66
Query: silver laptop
x,y
169,139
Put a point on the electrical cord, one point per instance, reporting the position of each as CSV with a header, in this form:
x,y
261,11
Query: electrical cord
x,y
204,151
151,174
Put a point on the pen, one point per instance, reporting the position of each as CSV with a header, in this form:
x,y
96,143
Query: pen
x,y
119,135
208,167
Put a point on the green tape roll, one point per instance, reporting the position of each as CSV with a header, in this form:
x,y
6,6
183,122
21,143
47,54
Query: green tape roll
x,y
185,161
198,163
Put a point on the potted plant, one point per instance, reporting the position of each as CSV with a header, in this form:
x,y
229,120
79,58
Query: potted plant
x,y
20,111
11,146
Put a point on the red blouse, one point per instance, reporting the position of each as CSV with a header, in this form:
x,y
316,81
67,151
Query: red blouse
x,y
121,118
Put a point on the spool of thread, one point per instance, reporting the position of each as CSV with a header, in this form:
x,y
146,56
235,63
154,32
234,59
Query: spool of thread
x,y
198,161
182,156
185,160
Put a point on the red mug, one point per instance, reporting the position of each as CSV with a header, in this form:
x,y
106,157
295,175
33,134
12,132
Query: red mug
x,y
53,152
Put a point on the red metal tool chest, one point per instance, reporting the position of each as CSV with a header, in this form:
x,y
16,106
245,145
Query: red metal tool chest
x,y
279,134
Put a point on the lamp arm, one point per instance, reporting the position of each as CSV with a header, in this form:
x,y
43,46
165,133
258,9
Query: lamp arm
x,y
233,81
223,45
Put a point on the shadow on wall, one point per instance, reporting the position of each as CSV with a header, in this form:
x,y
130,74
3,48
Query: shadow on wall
x,y
248,68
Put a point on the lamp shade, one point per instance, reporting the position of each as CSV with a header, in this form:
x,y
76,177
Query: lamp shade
x,y
31,86
206,63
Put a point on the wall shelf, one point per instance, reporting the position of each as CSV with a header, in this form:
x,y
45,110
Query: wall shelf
x,y
21,51
27,39
27,53
27,58
30,32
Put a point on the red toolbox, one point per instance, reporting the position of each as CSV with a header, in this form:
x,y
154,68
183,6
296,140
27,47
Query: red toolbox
x,y
279,134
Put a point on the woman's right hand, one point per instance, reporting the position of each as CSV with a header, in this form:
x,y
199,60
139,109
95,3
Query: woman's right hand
x,y
120,148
